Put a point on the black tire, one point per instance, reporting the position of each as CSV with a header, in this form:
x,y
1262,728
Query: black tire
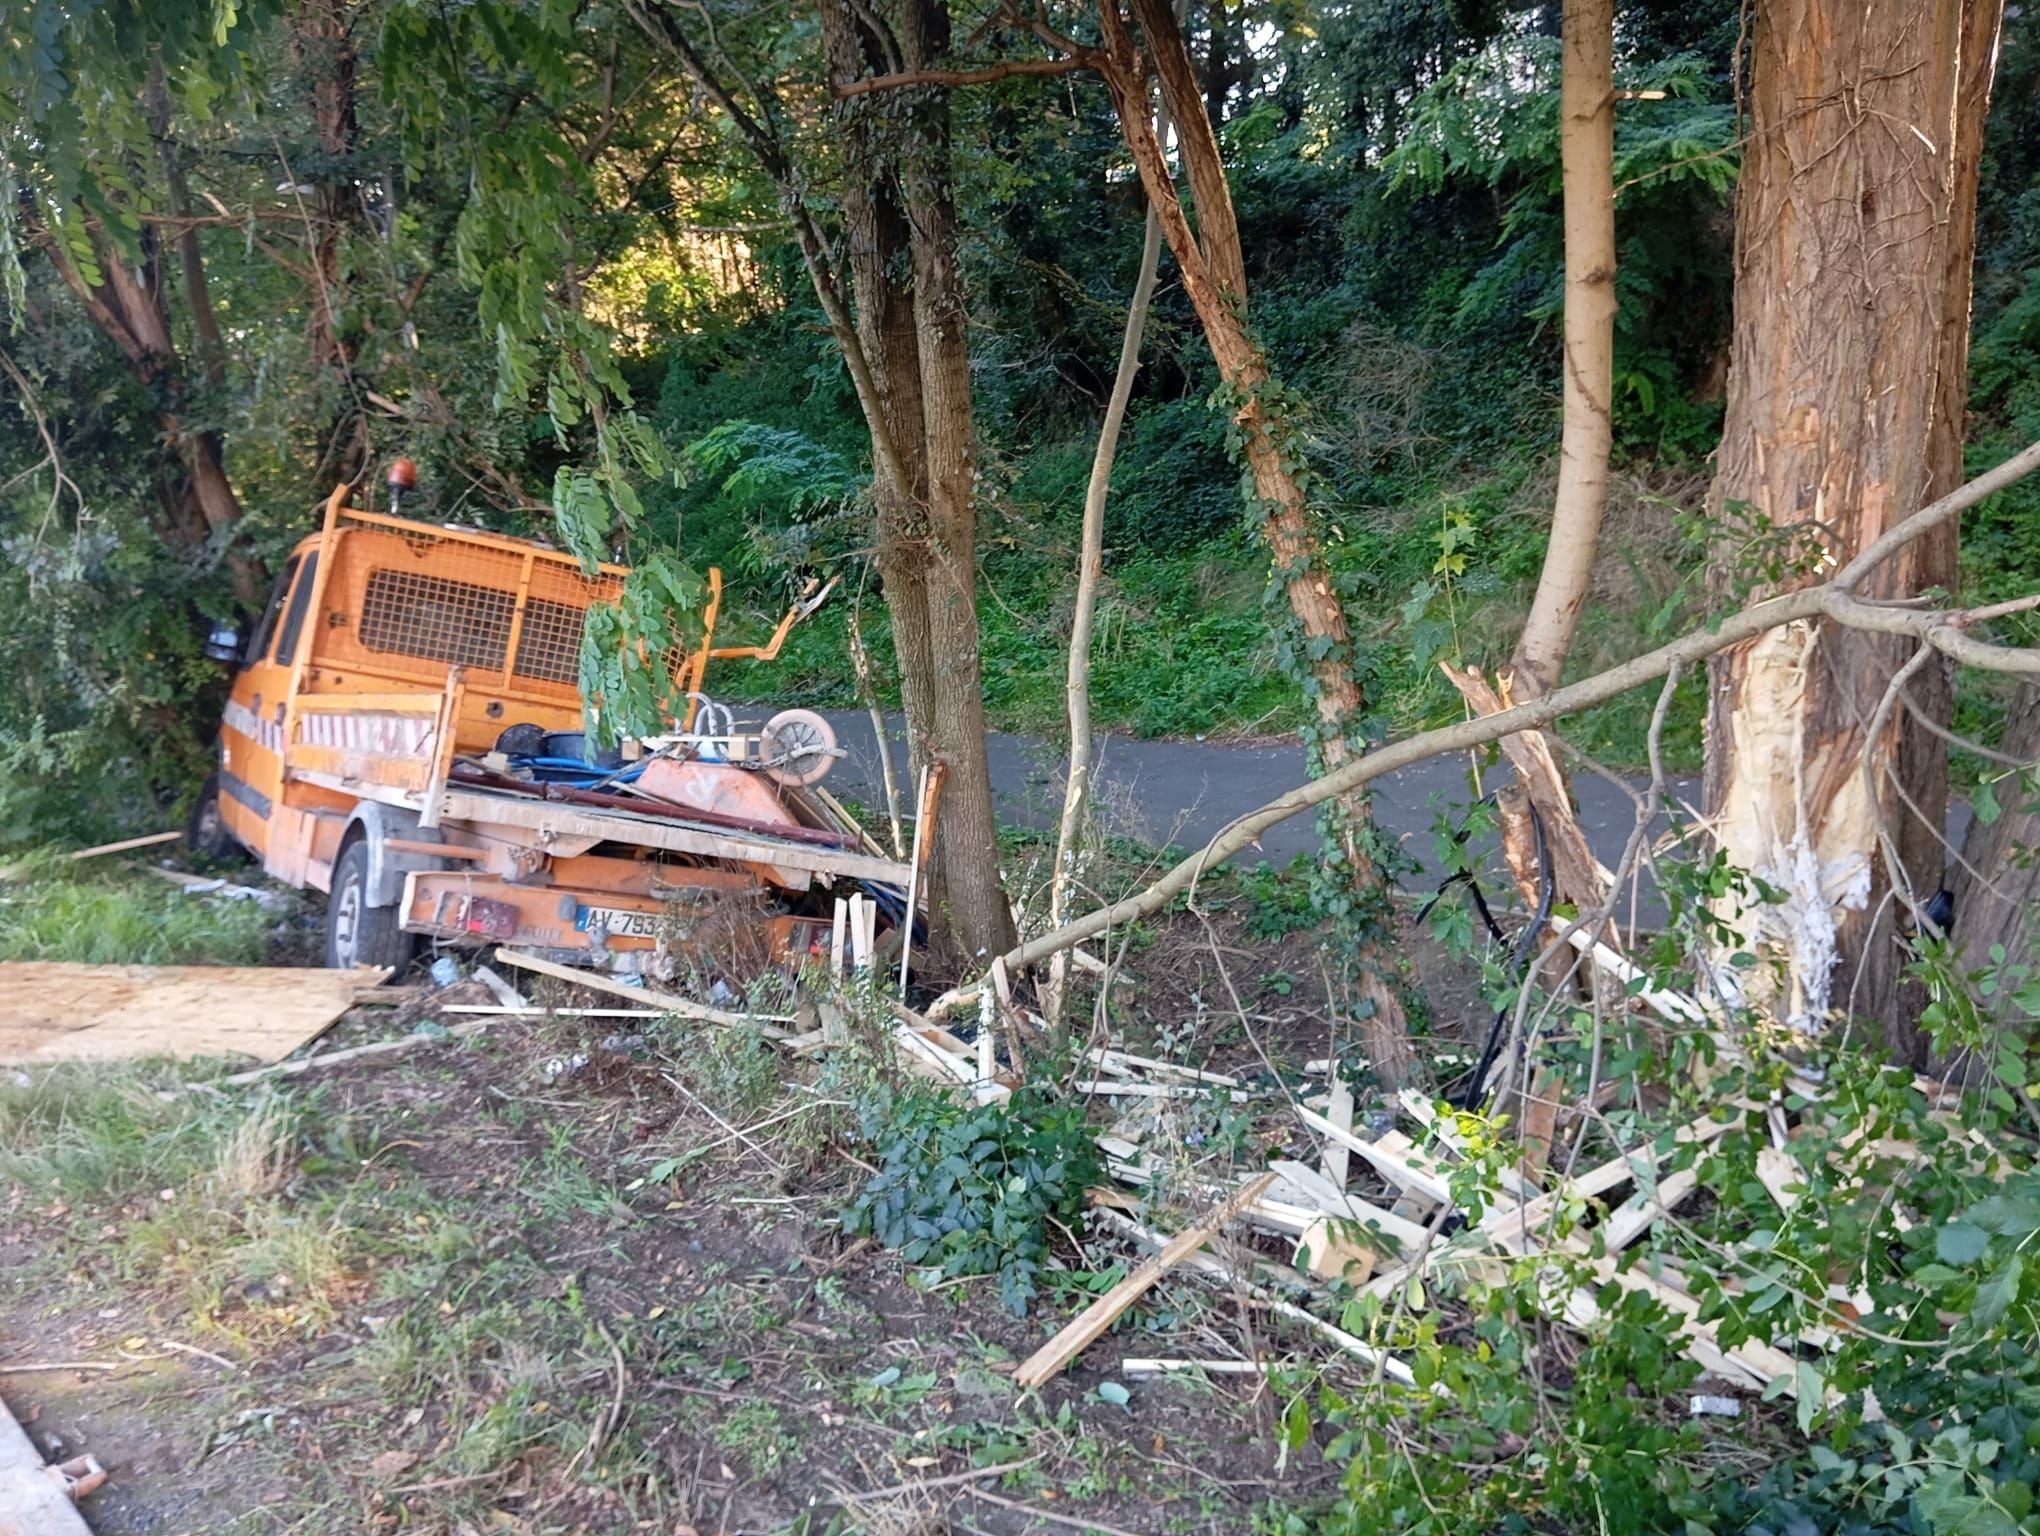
x,y
205,830
357,933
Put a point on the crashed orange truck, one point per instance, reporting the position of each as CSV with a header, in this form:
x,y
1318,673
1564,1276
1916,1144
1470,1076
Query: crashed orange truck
x,y
405,733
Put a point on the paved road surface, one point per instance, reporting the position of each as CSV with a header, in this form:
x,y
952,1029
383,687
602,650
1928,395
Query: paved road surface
x,y
1184,792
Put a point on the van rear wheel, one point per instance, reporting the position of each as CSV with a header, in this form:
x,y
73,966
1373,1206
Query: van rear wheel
x,y
357,933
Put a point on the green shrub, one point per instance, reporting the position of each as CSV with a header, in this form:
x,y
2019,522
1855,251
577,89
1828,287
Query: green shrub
x,y
971,1188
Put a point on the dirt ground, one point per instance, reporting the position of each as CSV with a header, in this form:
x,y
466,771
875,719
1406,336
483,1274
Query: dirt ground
x,y
478,1288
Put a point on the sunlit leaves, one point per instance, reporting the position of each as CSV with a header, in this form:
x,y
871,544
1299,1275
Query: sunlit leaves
x,y
71,126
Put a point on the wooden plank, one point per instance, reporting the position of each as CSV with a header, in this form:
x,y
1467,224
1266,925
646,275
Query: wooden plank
x,y
58,1011
150,841
538,1011
1139,1368
1337,1155
504,810
1329,1250
1411,1170
1216,1270
1634,1217
686,1008
1119,1061
1092,1322
32,1503
298,1066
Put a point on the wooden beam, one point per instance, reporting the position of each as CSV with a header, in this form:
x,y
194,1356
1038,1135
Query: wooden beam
x,y
482,809
134,842
1092,1322
686,1008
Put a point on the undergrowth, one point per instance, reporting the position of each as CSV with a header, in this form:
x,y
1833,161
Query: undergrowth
x,y
971,1189
51,909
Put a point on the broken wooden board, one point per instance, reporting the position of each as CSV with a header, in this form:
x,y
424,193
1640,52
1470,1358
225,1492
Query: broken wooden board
x,y
685,1008
56,1011
1104,1312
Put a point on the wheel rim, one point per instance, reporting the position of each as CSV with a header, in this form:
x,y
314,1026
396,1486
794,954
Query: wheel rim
x,y
209,822
346,922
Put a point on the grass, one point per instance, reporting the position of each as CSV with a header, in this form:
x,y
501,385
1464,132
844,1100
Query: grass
x,y
52,909
441,1268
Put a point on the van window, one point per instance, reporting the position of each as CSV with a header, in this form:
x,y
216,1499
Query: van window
x,y
259,646
300,600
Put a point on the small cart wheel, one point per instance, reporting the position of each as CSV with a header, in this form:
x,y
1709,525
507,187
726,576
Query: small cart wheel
x,y
798,746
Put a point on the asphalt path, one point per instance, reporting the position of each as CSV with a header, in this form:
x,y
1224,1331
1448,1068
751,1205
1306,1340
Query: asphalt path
x,y
1161,792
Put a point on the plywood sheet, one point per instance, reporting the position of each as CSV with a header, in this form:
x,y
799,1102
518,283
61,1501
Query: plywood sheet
x,y
54,1011
31,1502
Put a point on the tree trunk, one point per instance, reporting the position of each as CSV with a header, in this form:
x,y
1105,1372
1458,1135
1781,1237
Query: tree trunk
x,y
1997,884
128,310
1587,149
876,242
1213,266
1090,570
1855,237
969,834
322,40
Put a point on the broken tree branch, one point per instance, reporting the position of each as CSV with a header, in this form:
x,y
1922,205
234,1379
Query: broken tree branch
x,y
1944,629
983,75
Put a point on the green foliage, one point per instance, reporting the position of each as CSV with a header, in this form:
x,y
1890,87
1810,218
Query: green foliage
x,y
1493,118
628,648
970,1189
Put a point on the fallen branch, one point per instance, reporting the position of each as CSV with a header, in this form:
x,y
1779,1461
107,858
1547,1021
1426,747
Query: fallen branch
x,y
304,1064
1943,629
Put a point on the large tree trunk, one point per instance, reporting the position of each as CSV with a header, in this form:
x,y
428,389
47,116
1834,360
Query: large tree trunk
x,y
322,41
1997,884
1214,276
969,841
1587,149
128,308
1855,236
876,242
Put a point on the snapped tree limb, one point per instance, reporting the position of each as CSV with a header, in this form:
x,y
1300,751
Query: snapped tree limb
x,y
1946,630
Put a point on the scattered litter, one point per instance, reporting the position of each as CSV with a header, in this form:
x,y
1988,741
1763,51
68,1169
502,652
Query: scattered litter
x,y
78,1476
564,1066
1705,1404
505,994
445,971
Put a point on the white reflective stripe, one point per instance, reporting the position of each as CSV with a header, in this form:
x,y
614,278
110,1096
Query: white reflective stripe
x,y
366,731
264,733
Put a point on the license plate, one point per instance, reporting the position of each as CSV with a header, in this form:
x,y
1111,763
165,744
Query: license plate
x,y
626,922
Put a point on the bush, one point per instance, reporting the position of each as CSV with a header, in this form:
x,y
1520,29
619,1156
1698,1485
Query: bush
x,y
972,1188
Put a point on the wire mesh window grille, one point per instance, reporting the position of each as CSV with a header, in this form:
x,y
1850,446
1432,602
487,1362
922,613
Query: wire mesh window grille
x,y
549,645
437,619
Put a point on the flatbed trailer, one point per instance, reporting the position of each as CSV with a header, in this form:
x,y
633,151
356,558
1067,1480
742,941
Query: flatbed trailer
x,y
393,738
